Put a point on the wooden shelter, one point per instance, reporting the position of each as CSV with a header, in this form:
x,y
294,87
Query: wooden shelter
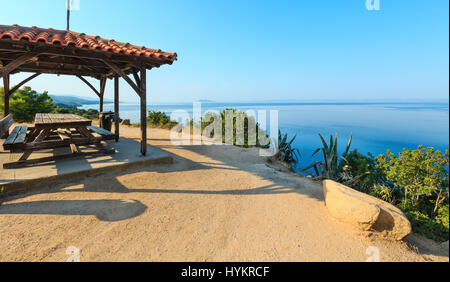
x,y
37,51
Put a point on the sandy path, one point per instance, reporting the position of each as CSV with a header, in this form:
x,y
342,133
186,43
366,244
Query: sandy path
x,y
212,204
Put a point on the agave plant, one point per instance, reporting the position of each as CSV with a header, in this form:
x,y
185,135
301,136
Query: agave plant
x,y
285,152
332,165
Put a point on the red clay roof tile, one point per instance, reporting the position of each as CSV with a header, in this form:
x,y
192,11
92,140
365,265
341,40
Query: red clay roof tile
x,y
79,40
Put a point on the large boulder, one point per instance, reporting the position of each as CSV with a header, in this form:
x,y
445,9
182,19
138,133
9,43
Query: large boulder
x,y
364,211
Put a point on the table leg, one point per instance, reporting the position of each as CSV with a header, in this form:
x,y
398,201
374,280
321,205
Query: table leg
x,y
33,134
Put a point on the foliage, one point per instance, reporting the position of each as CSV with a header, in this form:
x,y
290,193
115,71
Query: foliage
x,y
416,181
286,153
25,103
360,170
423,224
248,121
420,176
442,217
383,192
160,119
332,166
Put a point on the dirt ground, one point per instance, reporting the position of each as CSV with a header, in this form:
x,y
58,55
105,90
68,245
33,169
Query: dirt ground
x,y
214,203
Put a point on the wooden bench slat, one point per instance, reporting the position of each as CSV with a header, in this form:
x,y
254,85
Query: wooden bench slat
x,y
17,136
101,131
22,135
12,136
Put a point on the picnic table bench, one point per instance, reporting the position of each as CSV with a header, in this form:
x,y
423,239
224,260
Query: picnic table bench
x,y
52,131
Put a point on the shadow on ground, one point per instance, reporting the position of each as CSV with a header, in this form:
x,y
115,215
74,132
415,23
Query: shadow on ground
x,y
215,158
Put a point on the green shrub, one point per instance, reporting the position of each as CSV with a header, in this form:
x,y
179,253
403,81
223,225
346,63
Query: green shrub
x,y
421,176
286,153
382,192
361,171
333,165
423,224
248,121
160,119
442,217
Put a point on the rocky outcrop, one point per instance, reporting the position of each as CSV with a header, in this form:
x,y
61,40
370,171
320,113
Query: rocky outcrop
x,y
364,211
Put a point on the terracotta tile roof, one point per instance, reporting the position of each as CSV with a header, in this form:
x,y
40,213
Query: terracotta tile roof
x,y
80,40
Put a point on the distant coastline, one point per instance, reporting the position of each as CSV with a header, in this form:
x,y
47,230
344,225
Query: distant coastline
x,y
71,101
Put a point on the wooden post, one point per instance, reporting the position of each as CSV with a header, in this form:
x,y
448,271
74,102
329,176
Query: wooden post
x,y
6,91
101,104
116,107
6,100
143,88
102,93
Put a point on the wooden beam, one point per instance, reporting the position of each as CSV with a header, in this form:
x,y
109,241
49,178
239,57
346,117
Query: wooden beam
x,y
57,60
80,53
15,88
102,93
18,62
95,75
136,78
90,85
61,68
116,108
143,88
121,73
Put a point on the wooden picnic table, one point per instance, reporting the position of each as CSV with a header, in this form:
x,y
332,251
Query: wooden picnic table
x,y
52,131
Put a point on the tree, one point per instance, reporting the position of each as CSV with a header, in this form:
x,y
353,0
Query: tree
x,y
26,103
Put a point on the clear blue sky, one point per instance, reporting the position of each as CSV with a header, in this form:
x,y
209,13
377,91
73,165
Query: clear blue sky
x,y
261,50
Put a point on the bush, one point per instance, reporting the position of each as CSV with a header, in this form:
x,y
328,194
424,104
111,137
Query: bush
x,y
421,176
248,121
160,119
423,224
361,171
442,217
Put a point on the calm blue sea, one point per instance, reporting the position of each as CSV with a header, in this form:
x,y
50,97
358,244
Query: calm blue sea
x,y
376,127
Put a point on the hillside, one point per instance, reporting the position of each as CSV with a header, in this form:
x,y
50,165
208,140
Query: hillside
x,y
70,101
